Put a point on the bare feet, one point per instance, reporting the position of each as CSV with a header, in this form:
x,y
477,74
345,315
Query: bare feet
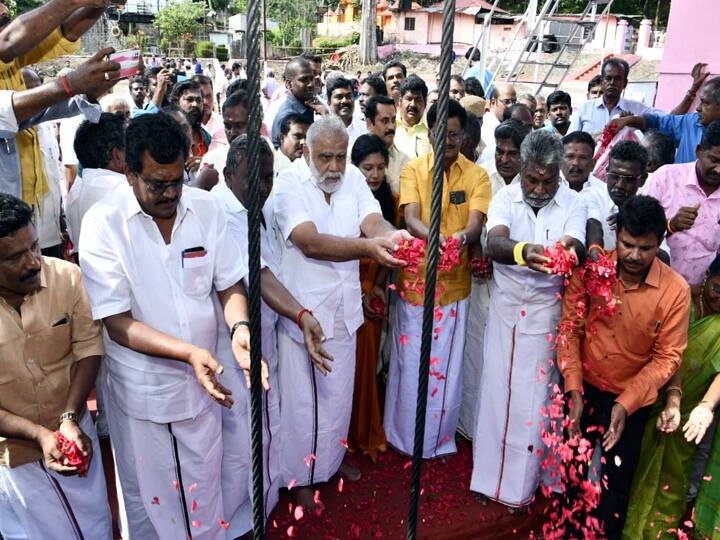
x,y
522,510
350,472
482,499
305,497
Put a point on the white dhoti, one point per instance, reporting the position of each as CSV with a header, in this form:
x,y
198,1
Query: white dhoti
x,y
316,409
473,356
515,384
169,474
39,504
237,434
444,386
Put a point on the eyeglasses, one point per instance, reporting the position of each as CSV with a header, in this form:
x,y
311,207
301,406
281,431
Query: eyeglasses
x,y
623,177
508,101
159,187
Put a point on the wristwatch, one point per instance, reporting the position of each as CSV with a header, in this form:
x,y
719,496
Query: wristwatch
x,y
69,416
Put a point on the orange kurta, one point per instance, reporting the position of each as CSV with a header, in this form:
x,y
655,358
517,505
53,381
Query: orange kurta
x,y
366,430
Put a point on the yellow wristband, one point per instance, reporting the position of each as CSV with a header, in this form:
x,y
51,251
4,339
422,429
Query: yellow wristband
x,y
518,253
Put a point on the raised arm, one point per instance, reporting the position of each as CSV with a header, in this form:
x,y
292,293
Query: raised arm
x,y
699,75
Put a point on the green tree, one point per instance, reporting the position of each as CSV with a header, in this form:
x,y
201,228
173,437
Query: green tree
x,y
291,16
178,18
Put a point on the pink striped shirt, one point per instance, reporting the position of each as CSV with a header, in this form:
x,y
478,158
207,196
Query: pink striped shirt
x,y
693,250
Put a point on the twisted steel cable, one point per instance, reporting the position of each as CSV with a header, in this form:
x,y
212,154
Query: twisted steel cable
x,y
440,129
256,390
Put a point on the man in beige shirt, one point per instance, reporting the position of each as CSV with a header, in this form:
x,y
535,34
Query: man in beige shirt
x,y
381,118
50,350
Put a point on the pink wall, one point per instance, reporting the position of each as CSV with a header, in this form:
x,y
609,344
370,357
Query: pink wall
x,y
420,34
691,37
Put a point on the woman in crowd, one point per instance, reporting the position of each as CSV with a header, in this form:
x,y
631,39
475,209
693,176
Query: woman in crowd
x,y
370,155
659,495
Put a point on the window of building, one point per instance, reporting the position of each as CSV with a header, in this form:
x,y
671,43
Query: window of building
x,y
409,24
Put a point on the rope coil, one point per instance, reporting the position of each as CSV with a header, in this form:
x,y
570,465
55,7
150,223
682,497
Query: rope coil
x,y
433,249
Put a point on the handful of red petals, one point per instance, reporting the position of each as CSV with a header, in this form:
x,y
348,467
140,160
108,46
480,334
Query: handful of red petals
x,y
412,252
562,262
600,278
72,453
450,257
377,306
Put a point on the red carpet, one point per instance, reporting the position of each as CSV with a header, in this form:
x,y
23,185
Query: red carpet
x,y
377,505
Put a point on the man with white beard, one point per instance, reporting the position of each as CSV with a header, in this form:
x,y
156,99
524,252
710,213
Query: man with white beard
x,y
328,219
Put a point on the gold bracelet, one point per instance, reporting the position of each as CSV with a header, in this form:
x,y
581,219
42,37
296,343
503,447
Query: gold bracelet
x,y
518,253
669,227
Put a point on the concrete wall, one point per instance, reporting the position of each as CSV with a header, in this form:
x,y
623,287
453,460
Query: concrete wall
x,y
690,38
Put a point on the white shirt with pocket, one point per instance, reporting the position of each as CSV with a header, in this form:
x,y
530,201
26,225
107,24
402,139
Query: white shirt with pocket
x,y
128,267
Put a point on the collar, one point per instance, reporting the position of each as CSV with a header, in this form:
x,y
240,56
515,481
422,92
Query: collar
x,y
227,198
296,104
461,162
93,174
621,104
421,125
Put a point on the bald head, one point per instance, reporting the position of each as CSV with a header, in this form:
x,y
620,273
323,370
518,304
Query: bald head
x,y
295,66
503,96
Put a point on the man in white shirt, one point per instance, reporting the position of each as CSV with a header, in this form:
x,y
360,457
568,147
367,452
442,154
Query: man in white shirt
x,y
322,208
518,371
381,118
232,194
342,104
595,114
503,96
503,171
154,256
293,131
100,149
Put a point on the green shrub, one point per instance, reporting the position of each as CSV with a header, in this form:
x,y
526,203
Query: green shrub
x,y
164,45
221,53
204,49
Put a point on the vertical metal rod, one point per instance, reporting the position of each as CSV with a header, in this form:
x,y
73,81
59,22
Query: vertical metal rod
x,y
256,390
433,250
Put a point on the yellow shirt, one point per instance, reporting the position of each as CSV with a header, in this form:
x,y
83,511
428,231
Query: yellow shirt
x,y
31,168
39,349
416,187
414,141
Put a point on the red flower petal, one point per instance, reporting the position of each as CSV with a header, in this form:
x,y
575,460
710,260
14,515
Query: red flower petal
x,y
192,488
193,505
196,523
403,340
224,524
340,485
155,500
344,442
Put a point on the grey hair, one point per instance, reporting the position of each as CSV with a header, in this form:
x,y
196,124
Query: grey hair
x,y
238,152
713,87
329,126
528,97
543,148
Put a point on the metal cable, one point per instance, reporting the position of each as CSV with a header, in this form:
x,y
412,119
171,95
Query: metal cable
x,y
256,390
440,130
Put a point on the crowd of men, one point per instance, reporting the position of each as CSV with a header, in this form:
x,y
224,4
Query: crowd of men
x,y
123,272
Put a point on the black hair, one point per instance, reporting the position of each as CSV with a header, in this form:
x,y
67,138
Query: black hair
x,y
184,86
559,97
14,214
338,82
202,79
630,151
235,65
392,64
474,87
457,78
238,85
711,137
580,137
238,150
713,87
455,110
235,99
372,103
137,79
714,268
617,62
472,128
291,119
376,83
94,142
413,83
510,111
311,57
158,134
512,130
641,215
660,147
152,72
475,54
595,81
364,146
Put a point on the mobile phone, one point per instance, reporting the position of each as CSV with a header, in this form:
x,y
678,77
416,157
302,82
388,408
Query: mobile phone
x,y
129,59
